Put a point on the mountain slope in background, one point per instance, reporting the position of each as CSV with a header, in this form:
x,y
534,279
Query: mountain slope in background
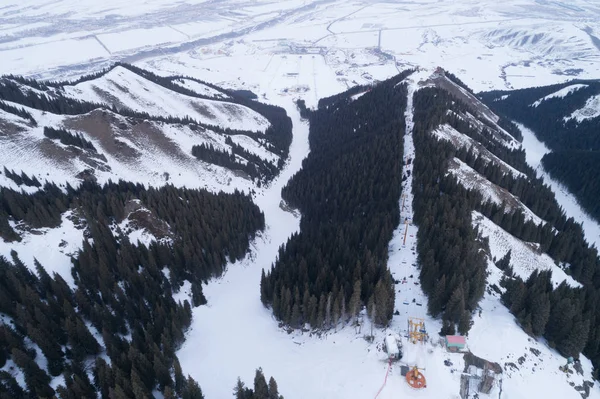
x,y
140,128
566,118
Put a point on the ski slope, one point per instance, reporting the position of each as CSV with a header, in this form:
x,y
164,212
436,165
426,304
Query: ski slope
x,y
534,151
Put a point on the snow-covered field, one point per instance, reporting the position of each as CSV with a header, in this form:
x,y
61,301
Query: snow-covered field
x,y
591,109
488,44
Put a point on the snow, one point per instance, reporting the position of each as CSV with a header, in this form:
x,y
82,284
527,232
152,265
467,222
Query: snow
x,y
184,293
253,147
470,179
16,372
125,88
590,110
357,96
138,38
496,336
565,91
338,365
50,55
161,154
525,256
53,248
534,151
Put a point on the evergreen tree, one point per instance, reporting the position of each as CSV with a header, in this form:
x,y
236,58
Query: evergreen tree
x,y
261,389
192,390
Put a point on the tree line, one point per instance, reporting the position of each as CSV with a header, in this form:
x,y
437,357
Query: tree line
x,y
261,390
121,307
578,171
348,191
68,138
254,166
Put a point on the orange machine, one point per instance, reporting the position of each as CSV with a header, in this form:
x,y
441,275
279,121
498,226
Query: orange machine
x,y
416,379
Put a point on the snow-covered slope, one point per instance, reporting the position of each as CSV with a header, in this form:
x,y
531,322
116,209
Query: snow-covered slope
x,y
200,88
565,91
535,150
590,110
470,179
51,247
152,150
459,140
525,256
126,89
147,152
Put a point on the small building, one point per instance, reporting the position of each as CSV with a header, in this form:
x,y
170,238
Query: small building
x,y
455,343
392,348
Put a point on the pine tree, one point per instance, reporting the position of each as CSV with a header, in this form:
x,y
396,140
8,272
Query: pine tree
x,y
198,298
355,299
264,294
456,306
180,380
540,313
464,324
261,389
192,390
273,389
436,300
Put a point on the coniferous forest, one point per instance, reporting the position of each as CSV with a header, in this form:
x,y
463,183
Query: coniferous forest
x,y
119,321
452,266
568,317
348,191
575,144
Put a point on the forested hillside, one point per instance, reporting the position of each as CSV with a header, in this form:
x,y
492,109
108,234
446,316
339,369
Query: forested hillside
x,y
565,117
115,332
348,191
452,267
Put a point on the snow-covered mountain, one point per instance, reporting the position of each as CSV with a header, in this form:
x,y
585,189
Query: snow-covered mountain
x,y
341,362
140,129
171,127
130,140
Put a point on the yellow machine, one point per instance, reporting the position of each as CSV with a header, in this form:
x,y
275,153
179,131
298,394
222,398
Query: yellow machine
x,y
416,330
